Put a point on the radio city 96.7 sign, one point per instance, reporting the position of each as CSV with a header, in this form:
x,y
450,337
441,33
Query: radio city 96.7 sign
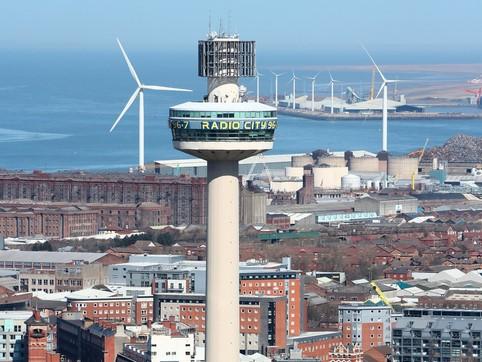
x,y
224,125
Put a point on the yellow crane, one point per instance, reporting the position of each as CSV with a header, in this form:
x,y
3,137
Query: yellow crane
x,y
419,160
377,289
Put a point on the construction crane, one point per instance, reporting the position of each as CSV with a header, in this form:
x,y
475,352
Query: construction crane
x,y
265,167
382,297
423,150
412,183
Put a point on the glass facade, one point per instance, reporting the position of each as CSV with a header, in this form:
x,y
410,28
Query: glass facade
x,y
209,126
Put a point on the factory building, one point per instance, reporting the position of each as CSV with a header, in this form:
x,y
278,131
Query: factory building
x,y
385,205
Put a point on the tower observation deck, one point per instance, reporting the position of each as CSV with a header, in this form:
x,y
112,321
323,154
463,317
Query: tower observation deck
x,y
223,128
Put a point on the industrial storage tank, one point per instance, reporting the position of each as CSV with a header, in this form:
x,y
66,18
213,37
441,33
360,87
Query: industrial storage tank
x,y
329,177
402,167
301,161
332,161
295,172
364,164
351,182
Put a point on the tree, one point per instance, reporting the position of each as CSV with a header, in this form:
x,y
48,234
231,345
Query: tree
x,y
45,246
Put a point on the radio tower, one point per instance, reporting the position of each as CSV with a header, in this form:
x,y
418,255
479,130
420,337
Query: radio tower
x,y
223,129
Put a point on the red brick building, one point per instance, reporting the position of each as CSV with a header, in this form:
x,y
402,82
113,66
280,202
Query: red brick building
x,y
279,221
278,283
316,345
80,339
40,339
259,331
183,199
50,222
124,309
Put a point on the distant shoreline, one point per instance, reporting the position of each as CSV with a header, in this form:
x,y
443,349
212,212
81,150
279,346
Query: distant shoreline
x,y
408,116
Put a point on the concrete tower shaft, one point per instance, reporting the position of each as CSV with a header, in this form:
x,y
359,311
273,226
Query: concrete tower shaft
x,y
223,130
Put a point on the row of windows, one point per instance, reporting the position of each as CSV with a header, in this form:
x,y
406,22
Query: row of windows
x,y
197,114
225,135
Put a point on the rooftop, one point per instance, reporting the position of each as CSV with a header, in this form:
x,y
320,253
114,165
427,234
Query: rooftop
x,y
48,256
232,107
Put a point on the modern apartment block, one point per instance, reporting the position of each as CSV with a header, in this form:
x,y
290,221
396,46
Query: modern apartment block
x,y
12,333
286,283
366,324
437,335
262,319
129,308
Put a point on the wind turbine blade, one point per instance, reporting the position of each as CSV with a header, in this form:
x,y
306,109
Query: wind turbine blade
x,y
162,88
375,64
129,64
381,88
126,108
331,78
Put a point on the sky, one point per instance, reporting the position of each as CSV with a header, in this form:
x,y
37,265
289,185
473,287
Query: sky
x,y
395,27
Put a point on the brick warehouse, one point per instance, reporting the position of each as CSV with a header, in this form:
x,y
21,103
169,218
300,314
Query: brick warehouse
x,y
182,200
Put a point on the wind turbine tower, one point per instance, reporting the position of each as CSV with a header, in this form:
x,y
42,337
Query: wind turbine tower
x,y
276,75
258,74
223,129
313,80
139,92
293,79
332,84
383,87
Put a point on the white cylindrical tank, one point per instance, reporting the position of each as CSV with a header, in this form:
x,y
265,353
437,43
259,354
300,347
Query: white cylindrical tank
x,y
301,161
402,167
364,164
332,161
285,185
296,172
351,182
329,177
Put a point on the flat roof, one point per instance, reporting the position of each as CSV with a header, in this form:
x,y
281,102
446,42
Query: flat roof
x,y
60,257
225,107
314,335
16,314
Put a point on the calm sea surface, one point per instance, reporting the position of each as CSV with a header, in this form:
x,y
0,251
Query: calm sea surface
x,y
56,111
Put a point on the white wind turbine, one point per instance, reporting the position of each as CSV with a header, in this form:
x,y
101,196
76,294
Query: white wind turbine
x,y
258,74
276,75
332,84
293,79
139,92
313,80
383,87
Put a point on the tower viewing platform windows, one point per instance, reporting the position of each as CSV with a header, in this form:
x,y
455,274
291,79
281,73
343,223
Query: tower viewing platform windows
x,y
211,122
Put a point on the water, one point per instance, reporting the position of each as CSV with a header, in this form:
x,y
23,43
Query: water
x,y
56,111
